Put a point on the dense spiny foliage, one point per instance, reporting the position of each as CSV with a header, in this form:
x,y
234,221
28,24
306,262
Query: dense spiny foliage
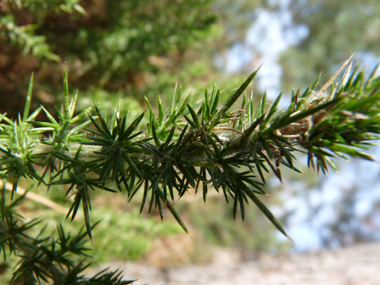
x,y
205,146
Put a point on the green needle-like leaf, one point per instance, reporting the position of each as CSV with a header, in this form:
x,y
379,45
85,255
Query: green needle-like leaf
x,y
266,212
194,116
233,98
132,127
28,99
66,97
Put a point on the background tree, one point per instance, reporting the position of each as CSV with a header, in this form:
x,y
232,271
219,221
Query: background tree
x,y
336,29
112,45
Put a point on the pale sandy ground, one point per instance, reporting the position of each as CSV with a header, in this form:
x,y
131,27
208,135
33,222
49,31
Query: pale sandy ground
x,y
358,265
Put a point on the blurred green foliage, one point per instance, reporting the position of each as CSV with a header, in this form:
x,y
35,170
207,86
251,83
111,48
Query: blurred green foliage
x,y
215,228
114,45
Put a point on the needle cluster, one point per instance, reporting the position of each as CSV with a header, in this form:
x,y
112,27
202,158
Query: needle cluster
x,y
158,158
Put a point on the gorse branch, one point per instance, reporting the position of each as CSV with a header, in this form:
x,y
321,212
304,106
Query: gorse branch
x,y
188,146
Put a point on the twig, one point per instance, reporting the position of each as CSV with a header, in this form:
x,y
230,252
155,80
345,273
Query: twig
x,y
37,198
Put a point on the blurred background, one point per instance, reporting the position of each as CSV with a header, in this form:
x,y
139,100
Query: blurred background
x,y
117,52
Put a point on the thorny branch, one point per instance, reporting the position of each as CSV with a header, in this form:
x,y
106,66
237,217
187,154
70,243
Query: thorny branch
x,y
202,147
